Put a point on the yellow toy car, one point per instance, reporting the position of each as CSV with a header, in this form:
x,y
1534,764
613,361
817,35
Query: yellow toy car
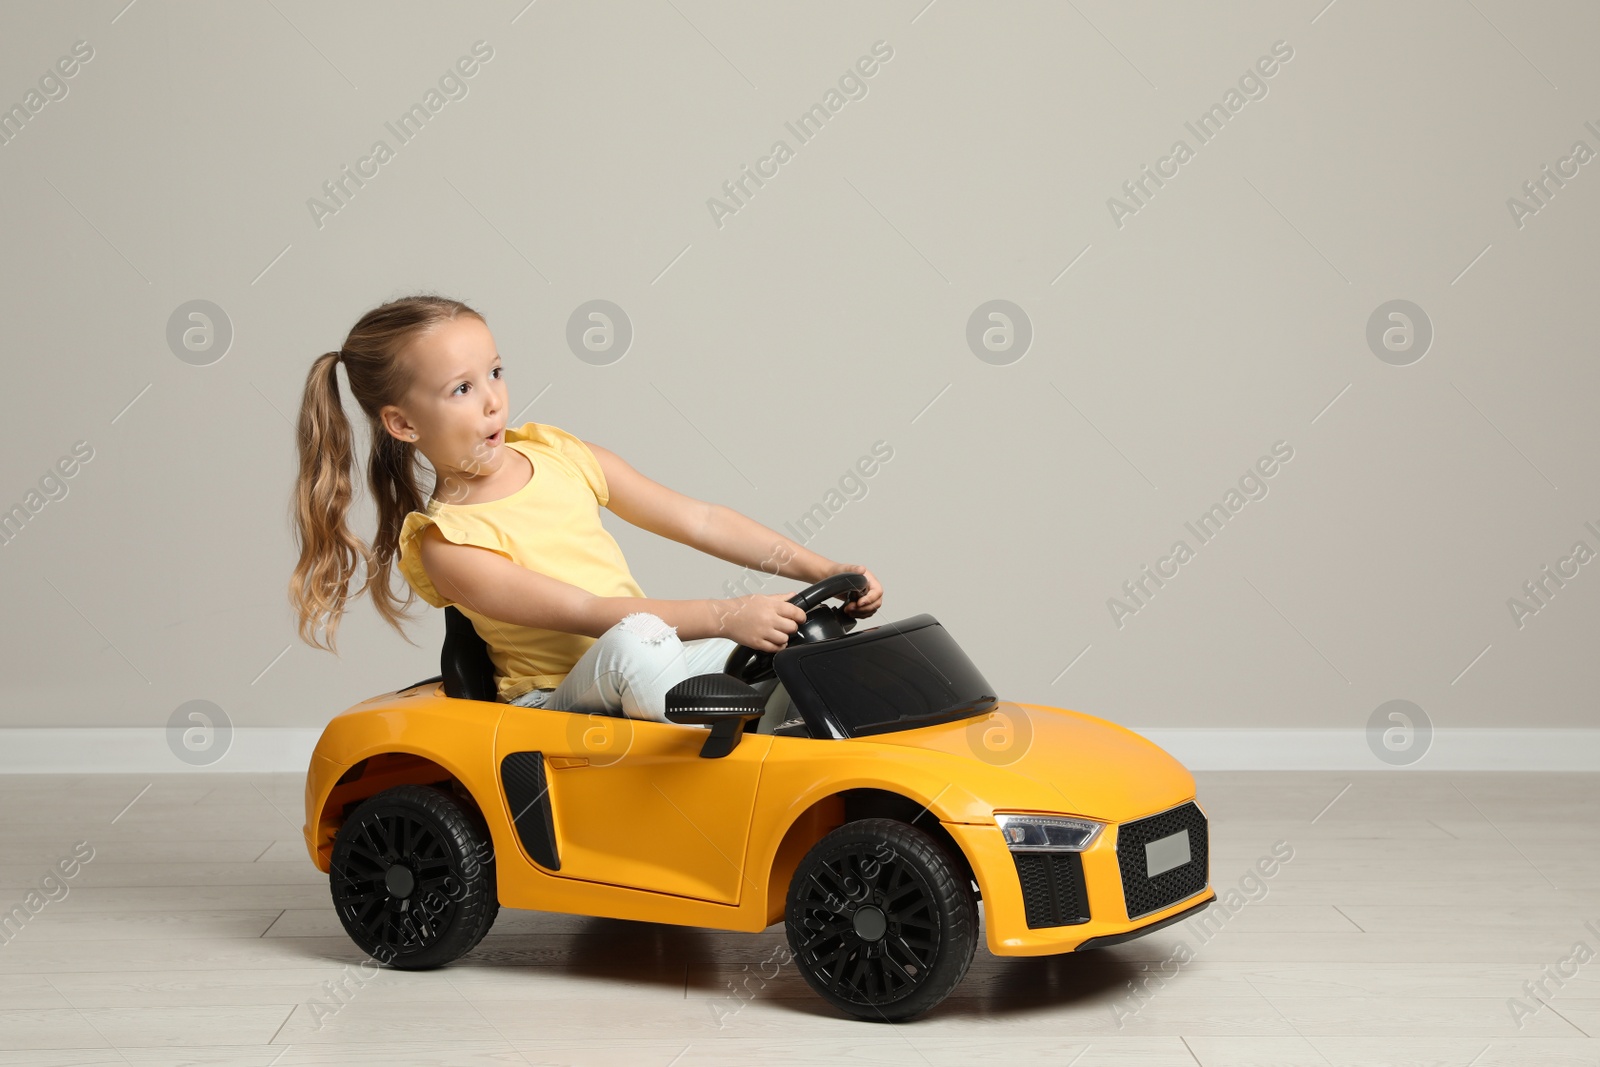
x,y
900,793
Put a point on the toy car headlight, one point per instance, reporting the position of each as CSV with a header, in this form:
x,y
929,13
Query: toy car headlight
x,y
1047,833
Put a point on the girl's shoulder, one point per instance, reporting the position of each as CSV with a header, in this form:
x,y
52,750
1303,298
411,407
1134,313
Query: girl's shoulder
x,y
458,527
462,528
543,433
569,447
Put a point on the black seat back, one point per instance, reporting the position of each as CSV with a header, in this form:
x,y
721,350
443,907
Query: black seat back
x,y
464,662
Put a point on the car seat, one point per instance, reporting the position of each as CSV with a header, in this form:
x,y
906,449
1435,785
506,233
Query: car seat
x,y
464,663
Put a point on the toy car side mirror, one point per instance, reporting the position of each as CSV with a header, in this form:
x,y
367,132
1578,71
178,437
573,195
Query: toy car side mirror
x,y
717,700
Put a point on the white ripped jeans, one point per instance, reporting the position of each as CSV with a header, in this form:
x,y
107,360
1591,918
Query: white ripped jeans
x,y
631,666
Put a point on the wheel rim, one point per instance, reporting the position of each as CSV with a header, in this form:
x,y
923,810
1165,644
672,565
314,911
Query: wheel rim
x,y
396,886
868,927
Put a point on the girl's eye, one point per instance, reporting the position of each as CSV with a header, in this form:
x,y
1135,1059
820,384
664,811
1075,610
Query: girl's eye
x,y
463,385
458,388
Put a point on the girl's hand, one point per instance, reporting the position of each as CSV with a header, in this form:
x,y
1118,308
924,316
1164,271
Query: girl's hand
x,y
762,621
865,602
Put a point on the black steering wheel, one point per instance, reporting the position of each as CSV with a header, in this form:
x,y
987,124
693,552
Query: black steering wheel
x,y
823,623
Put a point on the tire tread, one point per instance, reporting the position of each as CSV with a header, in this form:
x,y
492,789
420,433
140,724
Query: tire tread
x,y
464,831
952,893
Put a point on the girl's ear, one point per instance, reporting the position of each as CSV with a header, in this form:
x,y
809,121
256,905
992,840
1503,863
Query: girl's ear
x,y
396,424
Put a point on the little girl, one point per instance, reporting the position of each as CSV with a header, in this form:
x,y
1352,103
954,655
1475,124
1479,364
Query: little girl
x,y
511,532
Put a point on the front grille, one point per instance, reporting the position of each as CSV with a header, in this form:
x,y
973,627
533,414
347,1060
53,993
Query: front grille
x,y
1144,894
1052,888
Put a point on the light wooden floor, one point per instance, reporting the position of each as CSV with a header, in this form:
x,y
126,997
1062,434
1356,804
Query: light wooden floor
x,y
1415,906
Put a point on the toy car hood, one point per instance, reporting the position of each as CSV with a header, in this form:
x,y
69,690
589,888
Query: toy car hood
x,y
1053,756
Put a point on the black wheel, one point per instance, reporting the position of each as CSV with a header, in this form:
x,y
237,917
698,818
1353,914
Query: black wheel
x,y
881,920
412,877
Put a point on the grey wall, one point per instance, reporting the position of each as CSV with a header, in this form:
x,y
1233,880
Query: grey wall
x,y
1171,347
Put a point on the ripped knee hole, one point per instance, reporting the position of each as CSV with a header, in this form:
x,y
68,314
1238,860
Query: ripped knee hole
x,y
652,628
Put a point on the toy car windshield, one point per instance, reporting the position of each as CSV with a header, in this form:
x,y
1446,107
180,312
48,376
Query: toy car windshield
x,y
897,676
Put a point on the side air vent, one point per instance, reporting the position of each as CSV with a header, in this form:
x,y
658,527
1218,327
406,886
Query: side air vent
x,y
522,776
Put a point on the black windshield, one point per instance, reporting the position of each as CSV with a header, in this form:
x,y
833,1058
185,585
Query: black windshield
x,y
893,677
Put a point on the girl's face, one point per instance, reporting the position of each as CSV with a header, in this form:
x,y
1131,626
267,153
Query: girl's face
x,y
457,402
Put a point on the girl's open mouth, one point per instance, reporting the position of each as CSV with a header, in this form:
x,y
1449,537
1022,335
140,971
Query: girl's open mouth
x,y
496,437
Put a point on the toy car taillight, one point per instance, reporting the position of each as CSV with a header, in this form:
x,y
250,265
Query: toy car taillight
x,y
1046,833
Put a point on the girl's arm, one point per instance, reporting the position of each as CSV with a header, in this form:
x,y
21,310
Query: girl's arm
x,y
737,538
493,586
720,531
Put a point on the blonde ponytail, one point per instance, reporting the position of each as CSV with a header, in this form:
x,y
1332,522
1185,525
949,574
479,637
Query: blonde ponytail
x,y
331,555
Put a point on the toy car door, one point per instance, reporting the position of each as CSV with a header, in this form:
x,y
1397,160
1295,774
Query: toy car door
x,y
630,802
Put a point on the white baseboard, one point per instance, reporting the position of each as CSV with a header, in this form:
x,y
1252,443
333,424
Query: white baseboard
x,y
143,750
1232,749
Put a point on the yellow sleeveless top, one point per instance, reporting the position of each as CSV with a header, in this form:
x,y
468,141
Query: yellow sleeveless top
x,y
551,525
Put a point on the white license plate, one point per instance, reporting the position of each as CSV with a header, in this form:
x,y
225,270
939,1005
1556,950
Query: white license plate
x,y
1165,853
